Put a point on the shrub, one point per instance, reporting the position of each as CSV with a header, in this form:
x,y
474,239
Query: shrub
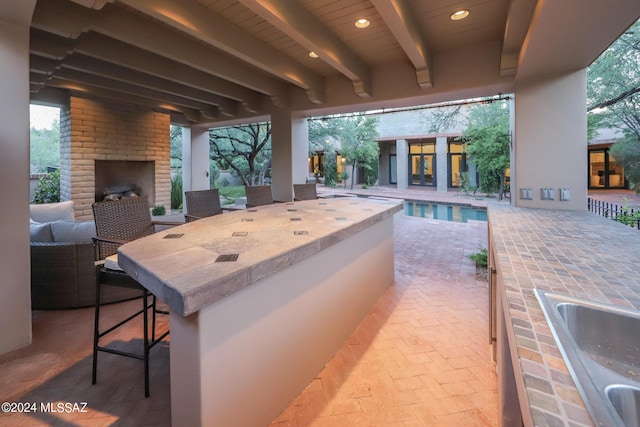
x,y
480,257
158,210
222,182
48,189
176,192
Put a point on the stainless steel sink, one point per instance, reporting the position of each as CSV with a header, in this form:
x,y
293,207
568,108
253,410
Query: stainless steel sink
x,y
601,346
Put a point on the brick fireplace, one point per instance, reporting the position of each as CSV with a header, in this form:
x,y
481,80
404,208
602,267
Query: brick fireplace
x,y
126,136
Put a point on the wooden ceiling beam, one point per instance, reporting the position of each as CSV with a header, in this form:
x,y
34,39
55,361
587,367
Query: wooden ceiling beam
x,y
401,21
79,62
198,21
295,21
84,90
70,20
207,110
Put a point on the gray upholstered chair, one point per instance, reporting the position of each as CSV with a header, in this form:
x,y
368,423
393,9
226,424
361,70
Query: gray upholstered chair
x,y
201,204
118,222
259,195
304,192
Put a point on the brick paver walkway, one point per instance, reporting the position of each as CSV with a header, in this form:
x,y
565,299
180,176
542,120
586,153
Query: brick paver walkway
x,y
421,357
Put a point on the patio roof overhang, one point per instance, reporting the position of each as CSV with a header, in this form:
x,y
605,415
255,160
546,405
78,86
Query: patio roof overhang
x,y
219,62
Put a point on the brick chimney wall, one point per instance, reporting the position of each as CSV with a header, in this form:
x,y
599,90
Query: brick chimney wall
x,y
93,130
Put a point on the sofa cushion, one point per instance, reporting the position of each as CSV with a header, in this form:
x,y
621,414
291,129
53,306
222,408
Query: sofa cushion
x,y
40,232
73,231
49,212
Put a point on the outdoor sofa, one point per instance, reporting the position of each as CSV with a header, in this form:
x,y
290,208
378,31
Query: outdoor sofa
x,y
63,274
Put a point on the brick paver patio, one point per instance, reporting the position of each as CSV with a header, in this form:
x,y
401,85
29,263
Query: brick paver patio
x,y
420,358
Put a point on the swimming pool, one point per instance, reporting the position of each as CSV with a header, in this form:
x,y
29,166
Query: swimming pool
x,y
444,212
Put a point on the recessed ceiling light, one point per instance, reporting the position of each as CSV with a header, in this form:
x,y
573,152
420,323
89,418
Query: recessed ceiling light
x,y
313,54
460,14
362,23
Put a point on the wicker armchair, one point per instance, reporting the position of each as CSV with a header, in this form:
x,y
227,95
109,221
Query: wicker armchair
x,y
118,222
304,192
201,204
259,195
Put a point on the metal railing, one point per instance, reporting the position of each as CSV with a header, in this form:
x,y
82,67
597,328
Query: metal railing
x,y
624,214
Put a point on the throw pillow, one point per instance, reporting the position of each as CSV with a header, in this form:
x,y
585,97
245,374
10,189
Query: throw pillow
x,y
73,231
40,232
49,212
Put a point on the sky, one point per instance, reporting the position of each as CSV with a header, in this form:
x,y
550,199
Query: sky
x,y
41,116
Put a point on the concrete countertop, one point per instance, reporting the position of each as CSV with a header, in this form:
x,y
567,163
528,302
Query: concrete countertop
x,y
179,265
575,253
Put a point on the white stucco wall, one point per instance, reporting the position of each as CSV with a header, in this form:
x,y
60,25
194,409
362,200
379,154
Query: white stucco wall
x,y
415,124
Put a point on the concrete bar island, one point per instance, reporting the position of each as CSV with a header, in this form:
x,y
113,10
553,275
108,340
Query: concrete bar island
x,y
261,299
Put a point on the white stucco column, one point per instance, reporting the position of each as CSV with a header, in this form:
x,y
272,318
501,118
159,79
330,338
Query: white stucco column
x,y
551,140
290,150
15,291
402,164
442,168
186,159
199,160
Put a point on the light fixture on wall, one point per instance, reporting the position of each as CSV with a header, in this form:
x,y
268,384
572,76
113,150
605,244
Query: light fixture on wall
x,y
313,54
362,23
460,14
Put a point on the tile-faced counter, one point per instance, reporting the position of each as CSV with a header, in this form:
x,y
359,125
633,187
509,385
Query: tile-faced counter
x,y
573,253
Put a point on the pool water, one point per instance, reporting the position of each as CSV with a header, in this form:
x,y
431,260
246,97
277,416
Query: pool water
x,y
444,212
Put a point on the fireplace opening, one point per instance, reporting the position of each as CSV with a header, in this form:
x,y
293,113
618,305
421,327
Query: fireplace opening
x,y
124,178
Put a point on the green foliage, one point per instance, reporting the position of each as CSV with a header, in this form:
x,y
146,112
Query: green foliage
x,y
344,176
48,189
232,192
613,85
628,217
354,137
222,182
480,257
466,187
330,169
176,192
626,151
45,148
158,210
488,143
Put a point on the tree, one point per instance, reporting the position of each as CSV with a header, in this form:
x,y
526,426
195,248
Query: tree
x,y
626,151
356,136
443,119
613,86
245,148
45,147
613,94
488,143
175,138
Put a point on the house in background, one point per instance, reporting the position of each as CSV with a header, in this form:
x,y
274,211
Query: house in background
x,y
604,172
414,153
